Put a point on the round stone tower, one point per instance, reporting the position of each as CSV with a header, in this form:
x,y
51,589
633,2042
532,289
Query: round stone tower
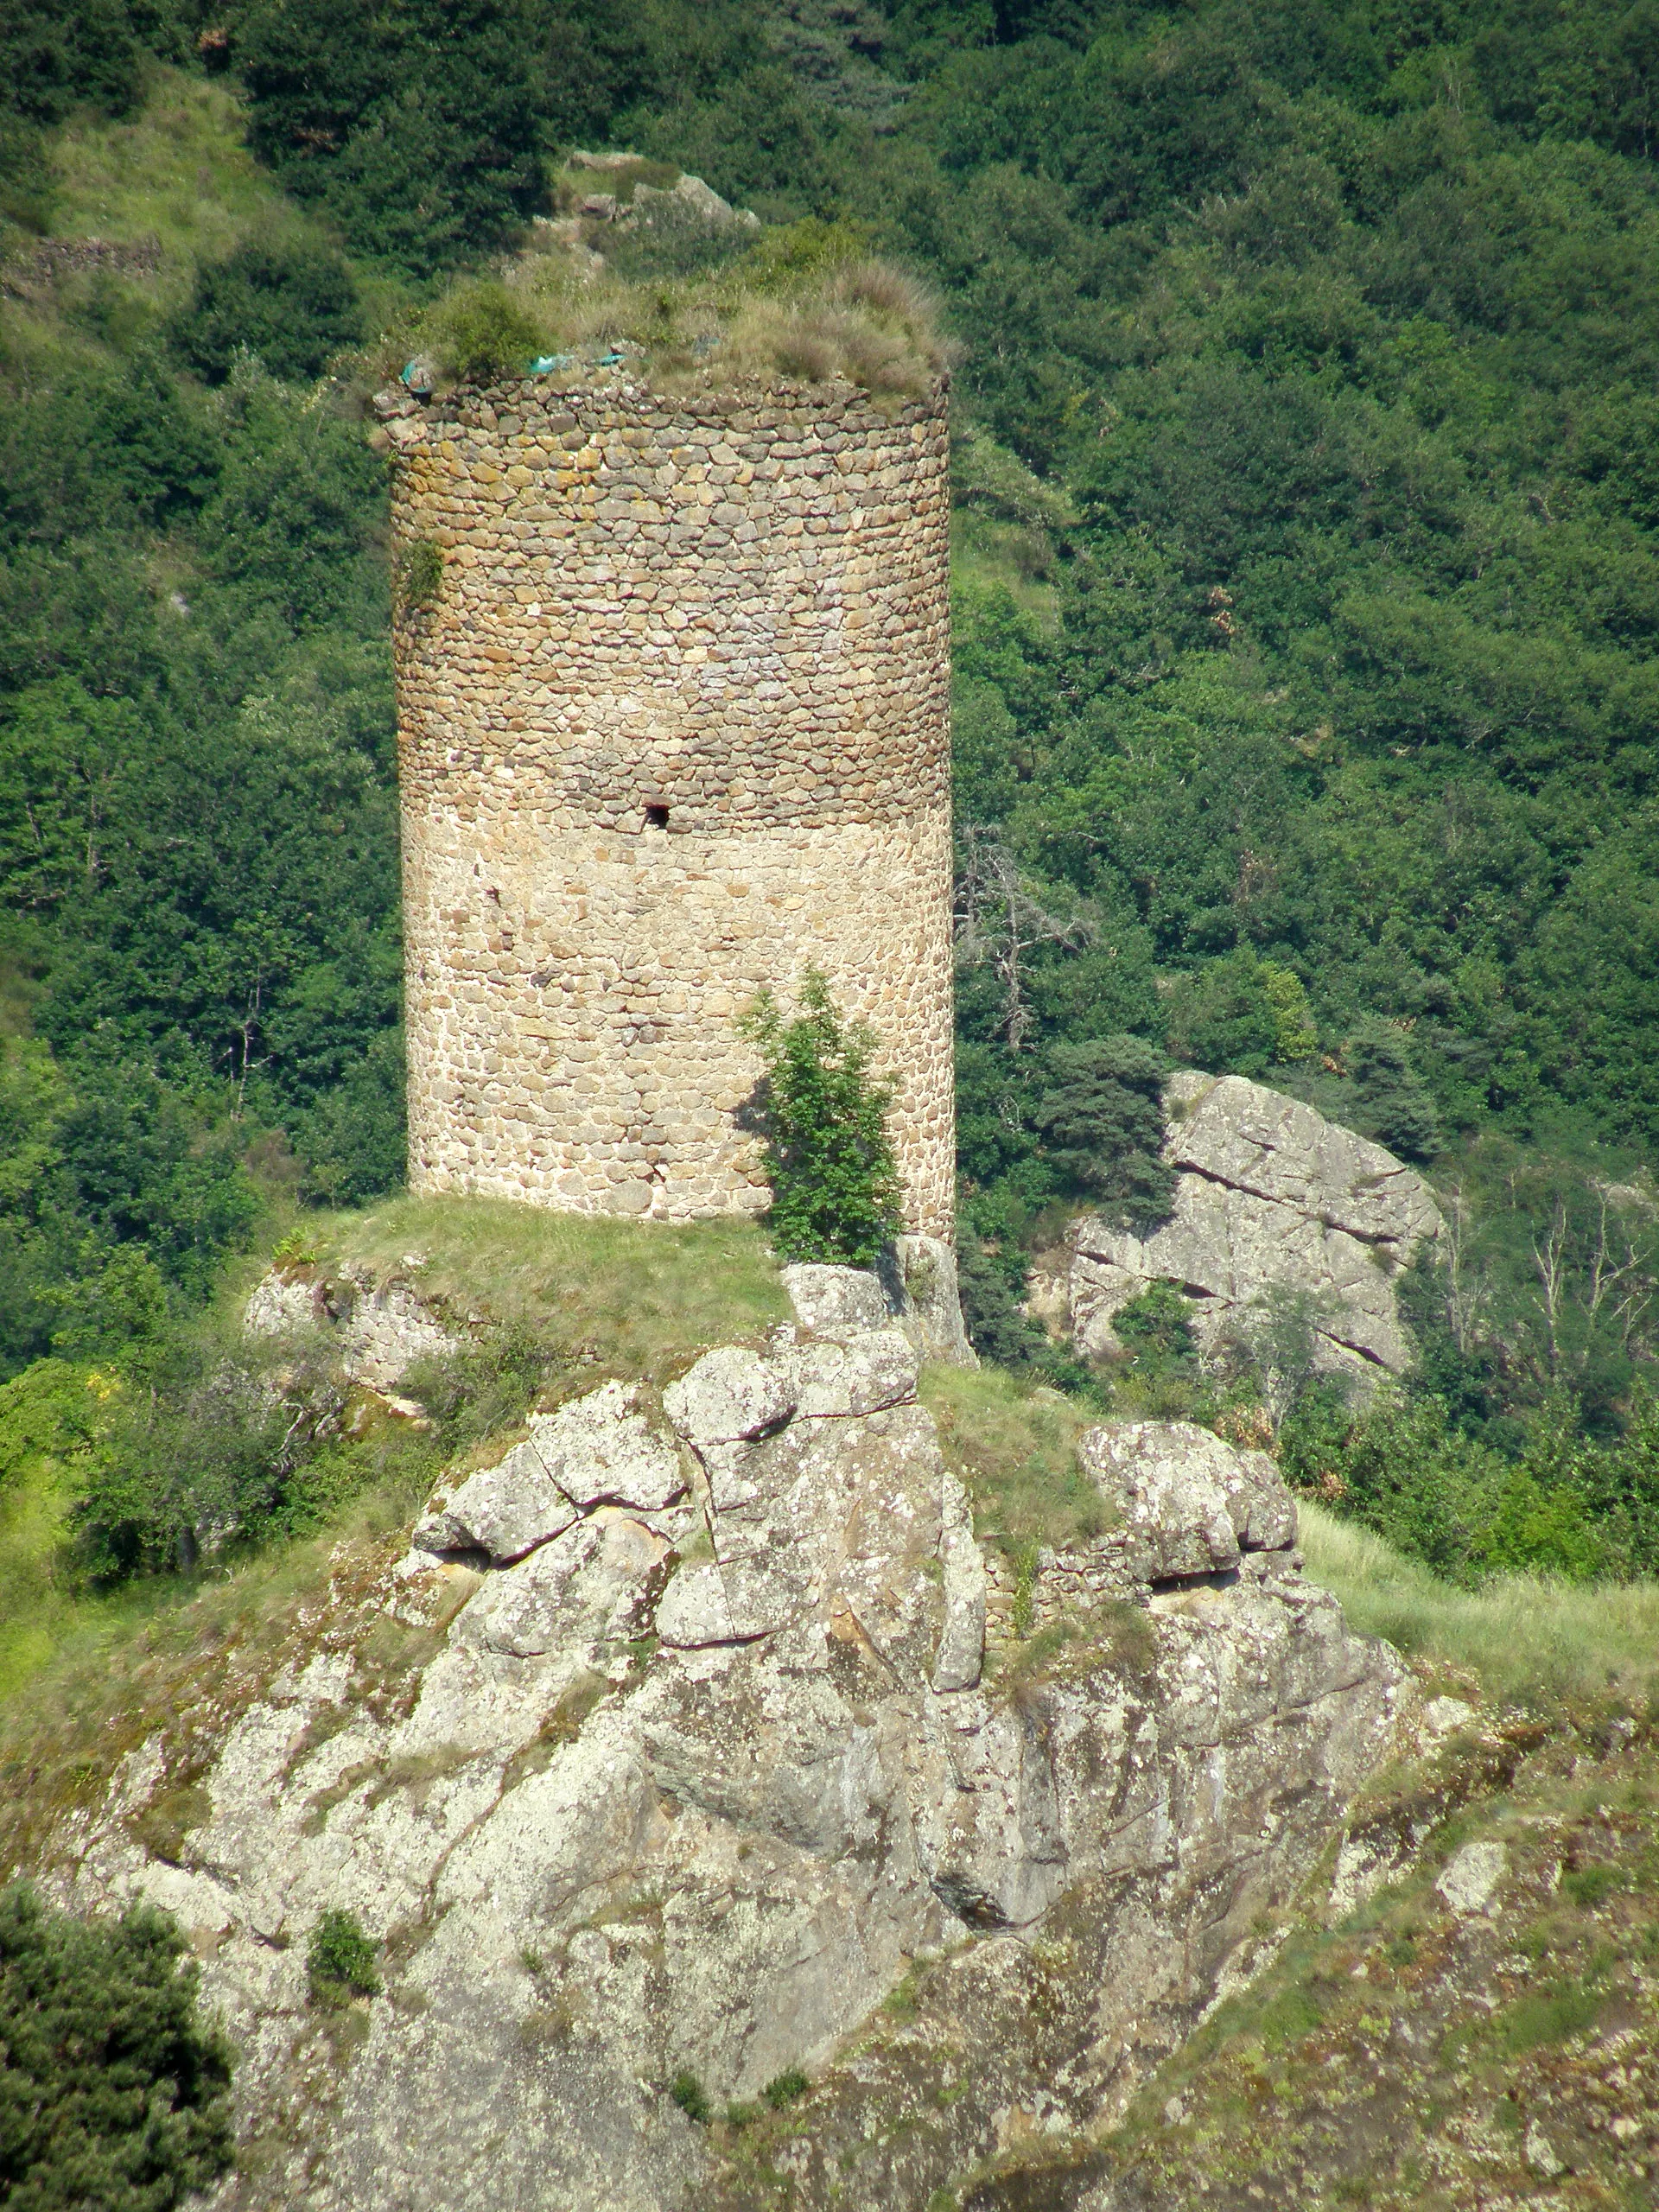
x,y
672,708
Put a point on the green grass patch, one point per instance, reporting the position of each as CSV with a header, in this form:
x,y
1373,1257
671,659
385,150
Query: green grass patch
x,y
1013,1447
634,1298
691,2097
1117,1637
42,1413
1548,2017
123,1667
178,172
1530,1641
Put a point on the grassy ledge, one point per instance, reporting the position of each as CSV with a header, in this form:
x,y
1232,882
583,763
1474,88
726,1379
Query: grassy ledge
x,y
638,1298
1529,1641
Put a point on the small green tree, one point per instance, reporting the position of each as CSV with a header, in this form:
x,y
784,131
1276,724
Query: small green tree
x,y
1155,1327
114,2097
340,1961
1103,1123
834,1189
1394,1103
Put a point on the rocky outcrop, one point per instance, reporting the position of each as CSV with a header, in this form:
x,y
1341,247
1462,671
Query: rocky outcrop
x,y
669,1745
913,1288
1269,1196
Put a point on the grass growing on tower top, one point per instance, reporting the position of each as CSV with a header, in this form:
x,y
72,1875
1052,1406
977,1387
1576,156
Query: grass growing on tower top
x,y
807,303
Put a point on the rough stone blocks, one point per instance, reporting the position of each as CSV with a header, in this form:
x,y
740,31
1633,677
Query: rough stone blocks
x,y
675,728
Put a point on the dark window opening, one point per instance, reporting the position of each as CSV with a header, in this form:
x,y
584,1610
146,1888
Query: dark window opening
x,y
656,818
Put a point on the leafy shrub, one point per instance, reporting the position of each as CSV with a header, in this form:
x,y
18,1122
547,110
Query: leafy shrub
x,y
1393,1104
299,497
197,1452
293,305
834,1189
1272,1347
990,1283
56,55
1155,1327
340,1961
354,1141
1296,1037
1222,1019
1103,1123
114,1198
1398,1467
46,1412
126,443
482,333
419,573
420,130
114,2096
489,1384
785,2089
692,2098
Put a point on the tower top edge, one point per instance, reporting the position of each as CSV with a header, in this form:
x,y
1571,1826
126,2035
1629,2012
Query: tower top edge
x,y
625,398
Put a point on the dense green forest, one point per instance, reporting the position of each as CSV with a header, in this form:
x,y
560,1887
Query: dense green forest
x,y
1306,617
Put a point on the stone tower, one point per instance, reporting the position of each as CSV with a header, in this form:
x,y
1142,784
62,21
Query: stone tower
x,y
672,725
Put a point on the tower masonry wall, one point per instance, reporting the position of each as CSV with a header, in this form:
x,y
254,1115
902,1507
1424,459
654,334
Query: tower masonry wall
x,y
674,727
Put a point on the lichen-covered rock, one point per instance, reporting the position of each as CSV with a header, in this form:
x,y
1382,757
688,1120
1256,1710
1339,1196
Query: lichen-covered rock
x,y
876,1369
728,1397
836,1302
924,1294
691,1786
598,1449
912,1289
1190,1504
1269,1195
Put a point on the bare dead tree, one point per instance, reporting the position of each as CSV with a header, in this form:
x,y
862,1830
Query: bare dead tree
x,y
1620,1278
1468,1289
1550,1260
1002,916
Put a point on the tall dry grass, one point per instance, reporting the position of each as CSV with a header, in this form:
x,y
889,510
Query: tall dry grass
x,y
1530,1641
833,316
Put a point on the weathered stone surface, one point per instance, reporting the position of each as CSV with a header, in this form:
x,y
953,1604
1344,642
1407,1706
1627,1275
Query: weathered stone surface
x,y
1470,1878
962,1640
648,1803
922,1293
836,1302
728,1397
281,1305
1171,1481
1269,1194
689,199
377,1330
913,1289
875,1368
593,1583
597,1450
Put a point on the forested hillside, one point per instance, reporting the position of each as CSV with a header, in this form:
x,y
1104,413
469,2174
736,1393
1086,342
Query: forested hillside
x,y
1308,591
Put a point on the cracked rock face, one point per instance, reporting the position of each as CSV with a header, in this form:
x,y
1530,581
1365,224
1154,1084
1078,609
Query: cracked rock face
x,y
1269,1193
698,1753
